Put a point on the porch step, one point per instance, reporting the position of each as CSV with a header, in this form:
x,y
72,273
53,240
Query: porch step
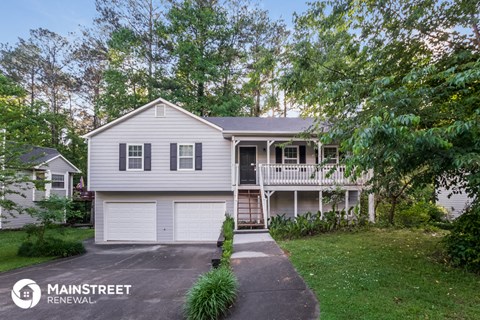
x,y
250,231
249,209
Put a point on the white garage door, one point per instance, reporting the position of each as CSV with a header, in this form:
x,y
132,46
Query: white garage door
x,y
198,221
130,221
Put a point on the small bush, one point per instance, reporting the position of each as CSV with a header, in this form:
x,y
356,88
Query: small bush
x,y
227,250
50,247
228,227
212,295
418,214
463,242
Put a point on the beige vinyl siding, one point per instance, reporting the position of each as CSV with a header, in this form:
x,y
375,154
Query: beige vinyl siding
x,y
165,205
176,127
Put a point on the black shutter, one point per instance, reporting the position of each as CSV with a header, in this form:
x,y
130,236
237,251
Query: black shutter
x,y
198,156
278,155
316,156
122,157
173,156
303,154
147,157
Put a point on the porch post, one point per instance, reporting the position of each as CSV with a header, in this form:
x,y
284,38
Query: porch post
x,y
371,207
320,203
346,202
269,144
319,160
295,203
232,160
48,186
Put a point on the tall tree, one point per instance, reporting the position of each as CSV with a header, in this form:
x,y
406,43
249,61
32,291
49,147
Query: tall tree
x,y
399,81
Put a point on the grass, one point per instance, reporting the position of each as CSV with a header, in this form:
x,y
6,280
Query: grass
x,y
10,241
384,274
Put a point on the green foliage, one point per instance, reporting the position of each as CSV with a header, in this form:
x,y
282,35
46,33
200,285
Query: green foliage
x,y
11,240
227,247
50,211
401,86
212,295
227,250
463,242
51,247
309,224
228,227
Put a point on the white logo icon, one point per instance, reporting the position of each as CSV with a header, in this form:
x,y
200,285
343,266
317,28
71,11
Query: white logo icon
x,y
26,293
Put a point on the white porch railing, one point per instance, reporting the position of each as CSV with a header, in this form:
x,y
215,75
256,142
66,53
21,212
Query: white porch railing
x,y
306,174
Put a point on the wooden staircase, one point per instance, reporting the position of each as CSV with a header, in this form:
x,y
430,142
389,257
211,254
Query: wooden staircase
x,y
250,210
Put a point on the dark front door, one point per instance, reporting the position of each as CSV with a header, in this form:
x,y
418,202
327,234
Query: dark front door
x,y
248,160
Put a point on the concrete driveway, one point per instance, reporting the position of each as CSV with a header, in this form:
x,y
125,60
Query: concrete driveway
x,y
159,276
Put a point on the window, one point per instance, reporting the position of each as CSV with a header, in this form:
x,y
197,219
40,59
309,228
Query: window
x,y
330,155
39,182
58,181
186,157
290,155
135,157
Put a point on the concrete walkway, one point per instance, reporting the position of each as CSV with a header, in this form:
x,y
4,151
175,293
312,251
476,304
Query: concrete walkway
x,y
270,288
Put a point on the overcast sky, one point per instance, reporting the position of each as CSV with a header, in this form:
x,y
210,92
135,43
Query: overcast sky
x,y
64,16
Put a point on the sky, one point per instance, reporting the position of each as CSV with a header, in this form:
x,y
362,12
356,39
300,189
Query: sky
x,y
64,16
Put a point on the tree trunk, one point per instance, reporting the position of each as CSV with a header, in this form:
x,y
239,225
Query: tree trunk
x,y
256,112
391,214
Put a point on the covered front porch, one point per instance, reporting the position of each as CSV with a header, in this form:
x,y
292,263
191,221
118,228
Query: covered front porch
x,y
273,175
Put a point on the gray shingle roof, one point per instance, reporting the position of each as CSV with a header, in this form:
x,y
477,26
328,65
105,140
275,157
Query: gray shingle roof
x,y
270,124
38,155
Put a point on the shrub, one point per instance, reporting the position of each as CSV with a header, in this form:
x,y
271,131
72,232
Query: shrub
x,y
50,247
418,214
463,242
228,227
227,250
308,224
212,295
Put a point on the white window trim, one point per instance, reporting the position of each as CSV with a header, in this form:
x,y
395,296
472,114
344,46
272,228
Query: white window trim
x,y
337,158
298,154
178,156
128,158
64,181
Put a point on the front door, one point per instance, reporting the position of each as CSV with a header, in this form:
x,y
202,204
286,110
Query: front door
x,y
248,161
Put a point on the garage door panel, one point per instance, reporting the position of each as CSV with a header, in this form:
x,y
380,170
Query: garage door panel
x,y
198,221
131,221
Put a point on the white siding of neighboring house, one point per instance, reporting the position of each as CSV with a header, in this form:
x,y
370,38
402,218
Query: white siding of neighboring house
x,y
165,205
144,127
24,198
57,166
455,203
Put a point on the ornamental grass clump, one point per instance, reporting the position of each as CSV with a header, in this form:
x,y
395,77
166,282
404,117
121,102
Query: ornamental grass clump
x,y
212,295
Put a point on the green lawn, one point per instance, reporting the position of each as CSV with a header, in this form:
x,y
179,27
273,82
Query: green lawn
x,y
384,274
11,240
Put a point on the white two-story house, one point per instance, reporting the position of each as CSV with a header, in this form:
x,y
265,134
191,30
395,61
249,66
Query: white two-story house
x,y
163,174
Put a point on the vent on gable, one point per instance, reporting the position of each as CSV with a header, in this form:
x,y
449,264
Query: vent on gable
x,y
160,110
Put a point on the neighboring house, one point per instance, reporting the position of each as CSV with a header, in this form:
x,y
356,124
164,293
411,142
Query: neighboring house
x,y
454,203
53,167
162,174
